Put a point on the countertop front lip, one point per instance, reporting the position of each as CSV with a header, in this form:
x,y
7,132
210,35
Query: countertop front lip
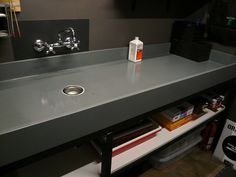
x,y
111,100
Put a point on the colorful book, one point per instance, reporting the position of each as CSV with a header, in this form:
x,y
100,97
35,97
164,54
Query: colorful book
x,y
178,112
169,125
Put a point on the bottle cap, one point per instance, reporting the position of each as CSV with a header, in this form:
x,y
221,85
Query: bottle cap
x,y
136,38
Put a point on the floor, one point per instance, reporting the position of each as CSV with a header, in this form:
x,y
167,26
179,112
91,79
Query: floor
x,y
195,164
227,172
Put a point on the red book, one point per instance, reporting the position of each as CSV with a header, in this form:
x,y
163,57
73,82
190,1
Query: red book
x,y
134,142
131,134
129,144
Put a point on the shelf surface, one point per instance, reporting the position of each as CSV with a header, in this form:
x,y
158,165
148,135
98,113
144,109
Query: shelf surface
x,y
163,137
3,34
2,15
90,170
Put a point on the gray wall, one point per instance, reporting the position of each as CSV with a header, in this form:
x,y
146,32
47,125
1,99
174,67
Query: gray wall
x,y
6,51
108,28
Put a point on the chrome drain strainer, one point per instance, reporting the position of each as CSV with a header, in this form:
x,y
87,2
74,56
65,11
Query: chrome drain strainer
x,y
73,90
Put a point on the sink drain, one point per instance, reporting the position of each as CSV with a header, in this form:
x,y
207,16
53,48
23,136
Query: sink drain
x,y
73,90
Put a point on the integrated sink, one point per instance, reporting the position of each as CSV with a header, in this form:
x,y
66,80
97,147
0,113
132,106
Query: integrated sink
x,y
73,90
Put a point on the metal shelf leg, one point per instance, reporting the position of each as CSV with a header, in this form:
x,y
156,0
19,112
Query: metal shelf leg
x,y
107,156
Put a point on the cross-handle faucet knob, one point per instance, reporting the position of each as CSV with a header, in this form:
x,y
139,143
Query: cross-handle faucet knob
x,y
50,48
75,46
39,45
71,43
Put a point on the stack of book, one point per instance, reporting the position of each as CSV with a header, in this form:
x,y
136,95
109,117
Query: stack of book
x,y
131,137
175,117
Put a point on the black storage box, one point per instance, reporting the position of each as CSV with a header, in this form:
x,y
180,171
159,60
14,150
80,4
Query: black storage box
x,y
188,31
197,51
187,40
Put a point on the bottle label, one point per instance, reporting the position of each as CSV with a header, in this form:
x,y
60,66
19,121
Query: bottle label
x,y
139,54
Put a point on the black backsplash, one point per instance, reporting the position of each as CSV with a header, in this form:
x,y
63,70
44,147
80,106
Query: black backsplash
x,y
47,31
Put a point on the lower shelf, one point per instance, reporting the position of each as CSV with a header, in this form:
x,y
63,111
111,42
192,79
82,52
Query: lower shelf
x,y
3,33
91,170
141,150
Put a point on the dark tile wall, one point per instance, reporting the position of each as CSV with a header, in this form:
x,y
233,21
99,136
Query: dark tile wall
x,y
47,31
6,53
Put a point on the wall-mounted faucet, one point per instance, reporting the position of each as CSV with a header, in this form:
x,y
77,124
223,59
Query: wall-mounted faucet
x,y
70,41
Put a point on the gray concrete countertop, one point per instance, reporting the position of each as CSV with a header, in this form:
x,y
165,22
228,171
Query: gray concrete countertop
x,y
36,115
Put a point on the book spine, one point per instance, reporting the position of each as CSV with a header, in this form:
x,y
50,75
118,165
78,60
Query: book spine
x,y
128,145
132,135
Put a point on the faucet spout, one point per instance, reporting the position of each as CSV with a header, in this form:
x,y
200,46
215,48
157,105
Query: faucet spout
x,y
69,30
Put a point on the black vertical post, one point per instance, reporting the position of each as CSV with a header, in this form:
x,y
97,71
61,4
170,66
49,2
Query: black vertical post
x,y
106,156
134,5
167,6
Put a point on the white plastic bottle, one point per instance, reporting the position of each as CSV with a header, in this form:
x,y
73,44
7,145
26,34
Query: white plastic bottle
x,y
135,50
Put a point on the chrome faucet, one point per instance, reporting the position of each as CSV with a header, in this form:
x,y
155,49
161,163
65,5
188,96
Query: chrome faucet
x,y
70,41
